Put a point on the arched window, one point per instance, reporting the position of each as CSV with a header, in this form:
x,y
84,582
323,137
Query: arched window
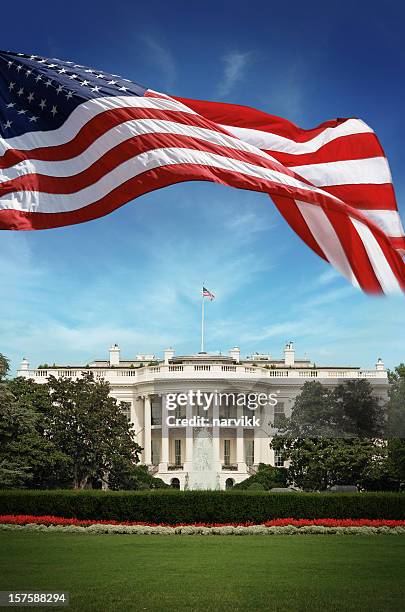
x,y
229,483
175,483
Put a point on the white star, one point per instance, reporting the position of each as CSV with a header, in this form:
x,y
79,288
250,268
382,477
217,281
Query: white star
x,y
11,105
95,89
22,112
42,61
84,83
89,70
38,78
30,97
33,57
61,71
123,88
111,82
42,104
20,54
10,64
27,73
7,124
77,66
19,67
54,110
127,80
11,86
68,62
99,76
59,89
69,95
33,118
20,91
49,82
52,65
73,76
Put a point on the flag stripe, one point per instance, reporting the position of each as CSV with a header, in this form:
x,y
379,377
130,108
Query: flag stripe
x,y
373,170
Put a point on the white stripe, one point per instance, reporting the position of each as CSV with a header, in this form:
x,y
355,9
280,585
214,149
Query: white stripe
x,y
372,171
274,142
382,269
388,220
119,134
325,235
34,201
81,115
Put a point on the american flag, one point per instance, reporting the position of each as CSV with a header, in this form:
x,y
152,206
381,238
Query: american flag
x,y
208,294
76,143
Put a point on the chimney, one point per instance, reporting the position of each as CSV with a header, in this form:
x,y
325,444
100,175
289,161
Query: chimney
x,y
235,353
114,355
379,366
168,354
289,354
25,365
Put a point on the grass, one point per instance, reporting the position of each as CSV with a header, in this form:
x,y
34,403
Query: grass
x,y
165,573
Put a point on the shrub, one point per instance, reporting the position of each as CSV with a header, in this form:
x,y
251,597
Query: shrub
x,y
267,476
171,507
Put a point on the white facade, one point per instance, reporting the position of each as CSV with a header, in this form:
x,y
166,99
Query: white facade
x,y
145,383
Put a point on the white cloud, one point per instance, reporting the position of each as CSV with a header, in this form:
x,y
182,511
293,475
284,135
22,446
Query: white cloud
x,y
234,71
162,58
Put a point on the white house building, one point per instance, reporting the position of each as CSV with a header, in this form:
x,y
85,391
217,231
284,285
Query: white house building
x,y
227,449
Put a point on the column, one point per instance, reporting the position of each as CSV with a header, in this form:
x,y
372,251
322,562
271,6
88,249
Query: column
x,y
257,435
240,458
164,444
215,436
147,431
189,440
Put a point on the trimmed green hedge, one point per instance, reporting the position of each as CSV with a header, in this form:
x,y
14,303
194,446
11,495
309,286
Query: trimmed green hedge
x,y
168,506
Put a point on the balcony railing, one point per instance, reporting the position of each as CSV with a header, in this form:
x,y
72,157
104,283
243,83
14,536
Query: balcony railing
x,y
233,467
210,372
173,467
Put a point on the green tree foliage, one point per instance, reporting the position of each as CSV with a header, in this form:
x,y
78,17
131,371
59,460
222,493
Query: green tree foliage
x,y
333,437
267,477
88,426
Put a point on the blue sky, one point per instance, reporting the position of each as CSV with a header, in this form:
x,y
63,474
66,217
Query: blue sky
x,y
134,277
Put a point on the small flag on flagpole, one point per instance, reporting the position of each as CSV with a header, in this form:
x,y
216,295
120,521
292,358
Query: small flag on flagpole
x,y
208,294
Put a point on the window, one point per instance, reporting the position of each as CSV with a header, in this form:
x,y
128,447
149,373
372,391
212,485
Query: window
x,y
278,414
177,452
175,483
278,459
126,409
156,411
155,452
229,483
250,452
227,452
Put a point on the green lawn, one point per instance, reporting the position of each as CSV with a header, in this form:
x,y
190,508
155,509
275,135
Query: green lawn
x,y
121,572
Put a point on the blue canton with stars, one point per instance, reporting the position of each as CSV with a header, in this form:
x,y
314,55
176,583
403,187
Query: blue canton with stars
x,y
38,94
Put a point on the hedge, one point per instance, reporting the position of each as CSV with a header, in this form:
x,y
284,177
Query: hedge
x,y
171,507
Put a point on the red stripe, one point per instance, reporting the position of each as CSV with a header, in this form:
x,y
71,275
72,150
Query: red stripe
x,y
121,153
355,251
245,116
143,183
292,214
351,146
96,127
368,197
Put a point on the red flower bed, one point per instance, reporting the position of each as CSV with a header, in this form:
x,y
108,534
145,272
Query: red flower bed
x,y
25,519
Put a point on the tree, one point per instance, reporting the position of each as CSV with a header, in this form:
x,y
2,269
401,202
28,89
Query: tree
x,y
396,404
27,458
88,426
266,476
4,366
331,436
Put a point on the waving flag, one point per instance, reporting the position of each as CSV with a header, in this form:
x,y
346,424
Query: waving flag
x,y
208,294
77,143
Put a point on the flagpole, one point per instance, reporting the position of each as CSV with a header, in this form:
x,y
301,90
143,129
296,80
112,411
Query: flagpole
x,y
202,323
